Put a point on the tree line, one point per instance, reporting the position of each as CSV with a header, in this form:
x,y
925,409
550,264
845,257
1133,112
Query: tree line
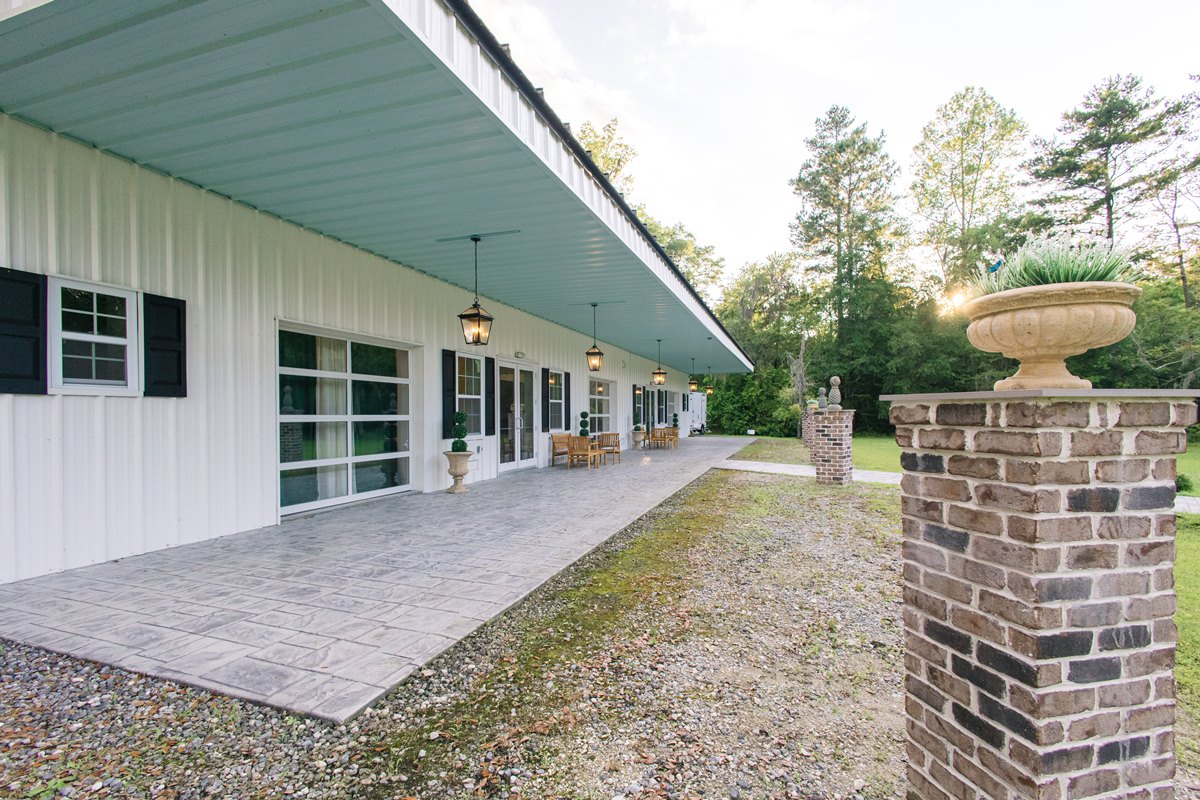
x,y
870,288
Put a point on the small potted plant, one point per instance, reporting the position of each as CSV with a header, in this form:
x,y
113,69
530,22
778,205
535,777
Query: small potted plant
x,y
674,420
583,423
1052,301
638,433
458,455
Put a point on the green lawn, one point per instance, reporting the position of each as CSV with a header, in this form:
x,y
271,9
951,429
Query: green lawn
x,y
1189,464
876,451
1187,618
871,451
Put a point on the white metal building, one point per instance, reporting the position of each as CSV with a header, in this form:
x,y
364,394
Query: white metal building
x,y
232,256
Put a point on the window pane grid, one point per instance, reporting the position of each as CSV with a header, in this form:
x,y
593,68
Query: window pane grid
x,y
94,343
368,451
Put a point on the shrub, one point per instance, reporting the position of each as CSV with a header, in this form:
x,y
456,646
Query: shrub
x,y
1183,483
1048,261
459,445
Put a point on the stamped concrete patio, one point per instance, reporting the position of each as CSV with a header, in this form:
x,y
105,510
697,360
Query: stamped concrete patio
x,y
324,614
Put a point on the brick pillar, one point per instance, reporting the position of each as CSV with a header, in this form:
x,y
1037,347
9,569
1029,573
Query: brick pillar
x,y
1038,586
830,446
807,430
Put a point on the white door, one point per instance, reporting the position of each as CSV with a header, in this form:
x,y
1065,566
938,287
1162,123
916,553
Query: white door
x,y
517,426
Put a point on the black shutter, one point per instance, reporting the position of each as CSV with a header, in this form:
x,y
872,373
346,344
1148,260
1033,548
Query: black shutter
x,y
164,338
22,332
489,412
545,398
568,421
449,401
635,404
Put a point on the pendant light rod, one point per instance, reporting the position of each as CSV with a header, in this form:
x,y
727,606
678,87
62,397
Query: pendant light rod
x,y
594,323
475,239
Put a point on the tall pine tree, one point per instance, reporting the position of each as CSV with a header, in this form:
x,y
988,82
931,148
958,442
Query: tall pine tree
x,y
1110,149
847,222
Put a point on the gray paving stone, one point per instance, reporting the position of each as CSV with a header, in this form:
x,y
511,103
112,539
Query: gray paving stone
x,y
323,614
263,678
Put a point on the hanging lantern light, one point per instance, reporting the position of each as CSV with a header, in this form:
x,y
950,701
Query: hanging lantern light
x,y
476,322
595,356
693,384
708,387
659,375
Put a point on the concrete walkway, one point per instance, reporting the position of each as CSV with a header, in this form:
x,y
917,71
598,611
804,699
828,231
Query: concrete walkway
x,y
324,614
805,470
1183,504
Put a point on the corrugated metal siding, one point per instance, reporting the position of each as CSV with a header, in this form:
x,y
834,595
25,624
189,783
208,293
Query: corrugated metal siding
x,y
87,479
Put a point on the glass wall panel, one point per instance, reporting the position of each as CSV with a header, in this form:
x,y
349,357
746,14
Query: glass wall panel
x,y
311,441
370,359
371,398
371,476
304,394
372,437
312,484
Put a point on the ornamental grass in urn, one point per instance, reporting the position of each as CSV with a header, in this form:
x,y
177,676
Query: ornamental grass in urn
x,y
1052,301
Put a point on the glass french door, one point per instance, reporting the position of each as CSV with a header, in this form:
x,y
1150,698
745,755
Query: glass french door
x,y
517,426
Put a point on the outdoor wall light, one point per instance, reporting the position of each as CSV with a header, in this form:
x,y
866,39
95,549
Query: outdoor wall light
x,y
476,322
708,388
659,375
693,384
595,357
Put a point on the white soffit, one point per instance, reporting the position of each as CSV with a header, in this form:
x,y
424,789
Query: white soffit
x,y
380,123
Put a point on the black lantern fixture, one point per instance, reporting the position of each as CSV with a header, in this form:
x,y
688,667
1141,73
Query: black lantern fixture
x,y
708,387
693,384
476,322
595,356
659,375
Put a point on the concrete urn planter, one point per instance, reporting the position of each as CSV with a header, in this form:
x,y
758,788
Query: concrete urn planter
x,y
458,469
638,437
1041,326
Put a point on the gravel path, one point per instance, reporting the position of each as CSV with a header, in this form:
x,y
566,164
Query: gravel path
x,y
740,641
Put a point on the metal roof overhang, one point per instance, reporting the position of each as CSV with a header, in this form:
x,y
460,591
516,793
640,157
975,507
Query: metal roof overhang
x,y
381,123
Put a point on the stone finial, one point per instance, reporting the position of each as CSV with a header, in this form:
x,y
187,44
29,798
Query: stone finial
x,y
835,393
821,401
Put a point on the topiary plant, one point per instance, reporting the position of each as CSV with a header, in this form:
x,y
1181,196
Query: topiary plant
x,y
583,423
637,419
459,445
674,420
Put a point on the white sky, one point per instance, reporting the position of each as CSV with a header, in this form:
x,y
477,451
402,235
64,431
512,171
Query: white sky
x,y
718,95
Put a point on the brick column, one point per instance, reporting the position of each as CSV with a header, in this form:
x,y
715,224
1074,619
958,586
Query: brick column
x,y
832,431
1038,585
807,429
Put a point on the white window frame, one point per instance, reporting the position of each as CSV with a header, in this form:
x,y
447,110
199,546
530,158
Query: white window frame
x,y
558,382
604,397
482,396
132,339
350,460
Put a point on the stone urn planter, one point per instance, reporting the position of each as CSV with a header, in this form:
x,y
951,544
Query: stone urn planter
x,y
458,469
638,438
1041,326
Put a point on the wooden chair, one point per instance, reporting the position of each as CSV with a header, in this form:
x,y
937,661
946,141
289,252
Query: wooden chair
x,y
581,448
659,437
610,445
558,446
